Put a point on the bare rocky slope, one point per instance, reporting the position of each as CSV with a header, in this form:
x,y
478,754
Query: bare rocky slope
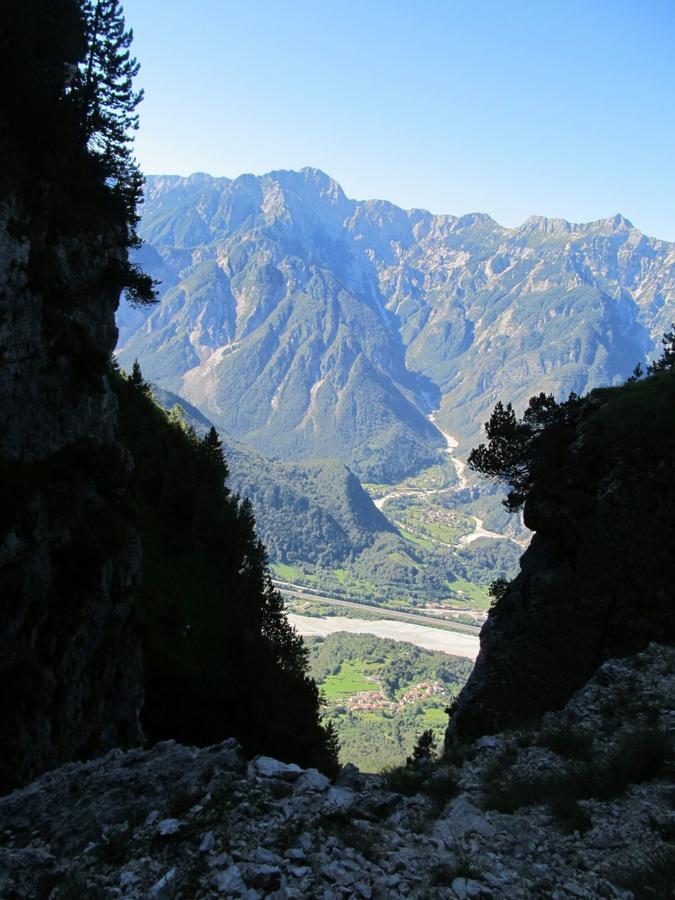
x,y
578,807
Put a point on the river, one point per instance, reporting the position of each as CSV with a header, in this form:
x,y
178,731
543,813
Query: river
x,y
460,468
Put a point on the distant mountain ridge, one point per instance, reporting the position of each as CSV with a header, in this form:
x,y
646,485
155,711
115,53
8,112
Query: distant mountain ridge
x,y
311,325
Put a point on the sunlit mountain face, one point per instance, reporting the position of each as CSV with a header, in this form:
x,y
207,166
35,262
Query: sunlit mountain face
x,y
310,325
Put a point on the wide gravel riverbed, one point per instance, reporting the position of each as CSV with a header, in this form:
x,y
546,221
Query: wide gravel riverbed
x,y
452,642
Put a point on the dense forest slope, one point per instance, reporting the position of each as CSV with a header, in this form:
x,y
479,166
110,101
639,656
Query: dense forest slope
x,y
311,325
220,657
314,512
598,484
323,531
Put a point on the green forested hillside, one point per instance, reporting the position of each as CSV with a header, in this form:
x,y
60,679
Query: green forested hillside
x,y
315,512
220,658
322,530
407,689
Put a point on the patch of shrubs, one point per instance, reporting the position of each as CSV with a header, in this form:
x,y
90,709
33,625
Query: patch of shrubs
x,y
113,847
438,783
406,780
462,866
422,774
570,815
565,741
652,878
636,757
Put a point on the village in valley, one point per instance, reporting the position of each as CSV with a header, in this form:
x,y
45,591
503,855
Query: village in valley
x,y
369,701
381,694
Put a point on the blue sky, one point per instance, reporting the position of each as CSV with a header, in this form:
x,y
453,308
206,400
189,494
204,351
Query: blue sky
x,y
556,107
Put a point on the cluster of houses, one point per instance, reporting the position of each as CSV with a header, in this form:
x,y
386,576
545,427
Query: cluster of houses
x,y
369,701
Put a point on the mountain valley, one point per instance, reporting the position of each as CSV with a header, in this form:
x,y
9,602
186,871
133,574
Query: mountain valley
x,y
319,333
272,624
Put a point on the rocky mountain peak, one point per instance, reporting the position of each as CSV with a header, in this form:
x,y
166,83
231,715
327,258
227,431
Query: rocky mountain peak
x,y
327,186
545,225
616,221
474,220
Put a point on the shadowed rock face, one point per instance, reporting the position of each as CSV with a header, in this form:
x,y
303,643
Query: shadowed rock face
x,y
596,580
70,668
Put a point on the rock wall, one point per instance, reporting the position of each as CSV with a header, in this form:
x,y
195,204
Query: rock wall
x,y
596,580
70,667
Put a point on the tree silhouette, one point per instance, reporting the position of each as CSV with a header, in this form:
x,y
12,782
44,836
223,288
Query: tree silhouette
x,y
513,444
331,765
103,92
212,447
497,590
424,749
110,101
137,381
667,359
636,374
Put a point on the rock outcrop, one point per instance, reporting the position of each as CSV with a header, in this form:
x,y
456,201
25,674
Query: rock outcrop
x,y
597,578
69,551
174,821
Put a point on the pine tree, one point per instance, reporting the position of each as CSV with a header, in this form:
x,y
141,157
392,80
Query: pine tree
x,y
110,100
636,374
177,417
497,590
424,749
667,359
331,762
212,447
105,93
137,381
513,443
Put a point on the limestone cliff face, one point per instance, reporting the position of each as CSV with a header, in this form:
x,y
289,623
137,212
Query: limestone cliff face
x,y
69,551
597,579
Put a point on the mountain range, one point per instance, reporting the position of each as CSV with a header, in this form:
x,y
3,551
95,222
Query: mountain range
x,y
310,325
